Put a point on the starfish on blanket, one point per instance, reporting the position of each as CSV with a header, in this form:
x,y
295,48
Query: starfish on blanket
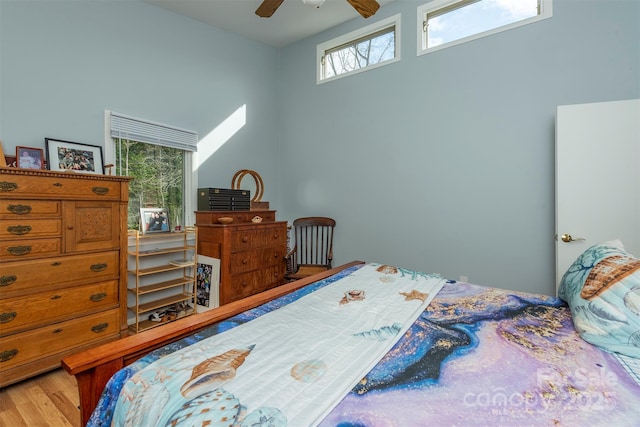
x,y
408,296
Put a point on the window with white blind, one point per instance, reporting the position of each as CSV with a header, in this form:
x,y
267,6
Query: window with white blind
x,y
159,157
445,23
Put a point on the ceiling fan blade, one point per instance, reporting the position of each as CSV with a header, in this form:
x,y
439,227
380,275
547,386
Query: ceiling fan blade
x,y
366,8
268,8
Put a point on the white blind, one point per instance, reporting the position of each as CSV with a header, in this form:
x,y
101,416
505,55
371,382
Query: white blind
x,y
125,127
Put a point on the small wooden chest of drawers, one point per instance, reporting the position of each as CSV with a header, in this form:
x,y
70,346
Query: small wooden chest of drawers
x,y
251,255
62,258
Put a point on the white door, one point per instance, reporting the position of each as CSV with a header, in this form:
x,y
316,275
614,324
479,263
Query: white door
x,y
597,178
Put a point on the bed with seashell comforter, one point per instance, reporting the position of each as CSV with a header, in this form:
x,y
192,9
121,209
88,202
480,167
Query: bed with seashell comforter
x,y
378,345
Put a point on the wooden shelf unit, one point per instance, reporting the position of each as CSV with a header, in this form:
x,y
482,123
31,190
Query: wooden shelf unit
x,y
176,282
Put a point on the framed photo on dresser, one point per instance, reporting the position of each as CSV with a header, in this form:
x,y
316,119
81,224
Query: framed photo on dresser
x,y
67,156
29,158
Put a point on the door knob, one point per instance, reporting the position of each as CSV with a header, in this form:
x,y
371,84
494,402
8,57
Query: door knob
x,y
567,238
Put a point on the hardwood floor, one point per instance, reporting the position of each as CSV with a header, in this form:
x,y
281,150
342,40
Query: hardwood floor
x,y
48,400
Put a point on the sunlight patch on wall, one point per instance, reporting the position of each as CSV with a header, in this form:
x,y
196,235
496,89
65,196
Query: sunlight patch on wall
x,y
215,139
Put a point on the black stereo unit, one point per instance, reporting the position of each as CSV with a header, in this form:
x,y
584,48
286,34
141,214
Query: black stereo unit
x,y
223,199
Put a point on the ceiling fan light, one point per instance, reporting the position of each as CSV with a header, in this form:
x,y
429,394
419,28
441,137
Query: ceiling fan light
x,y
313,3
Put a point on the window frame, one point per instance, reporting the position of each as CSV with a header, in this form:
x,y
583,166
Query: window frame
x,y
354,36
190,178
545,11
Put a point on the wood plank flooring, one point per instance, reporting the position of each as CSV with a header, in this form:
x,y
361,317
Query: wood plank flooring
x,y
48,400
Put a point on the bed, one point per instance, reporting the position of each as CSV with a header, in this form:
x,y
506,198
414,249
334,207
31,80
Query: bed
x,y
443,353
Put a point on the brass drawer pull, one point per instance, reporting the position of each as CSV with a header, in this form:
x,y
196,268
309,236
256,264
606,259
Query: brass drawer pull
x,y
7,280
56,263
19,209
245,239
98,297
98,267
57,330
100,328
100,191
19,230
7,317
19,250
58,184
5,186
8,355
55,297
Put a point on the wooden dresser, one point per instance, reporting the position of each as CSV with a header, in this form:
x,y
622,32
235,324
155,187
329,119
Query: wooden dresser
x,y
63,245
251,254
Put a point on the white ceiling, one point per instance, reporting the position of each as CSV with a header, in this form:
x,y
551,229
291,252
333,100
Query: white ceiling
x,y
292,21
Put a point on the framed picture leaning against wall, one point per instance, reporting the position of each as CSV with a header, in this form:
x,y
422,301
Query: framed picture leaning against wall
x,y
74,157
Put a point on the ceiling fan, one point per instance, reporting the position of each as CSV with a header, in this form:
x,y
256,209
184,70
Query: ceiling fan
x,y
366,8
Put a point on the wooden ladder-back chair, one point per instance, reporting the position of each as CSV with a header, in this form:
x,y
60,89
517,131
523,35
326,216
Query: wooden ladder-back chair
x,y
312,250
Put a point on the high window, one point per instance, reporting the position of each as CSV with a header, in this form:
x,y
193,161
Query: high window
x,y
369,47
444,23
159,158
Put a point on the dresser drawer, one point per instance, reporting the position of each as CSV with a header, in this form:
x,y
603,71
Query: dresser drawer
x,y
242,240
21,276
17,229
28,208
247,284
255,259
23,347
72,187
51,306
19,249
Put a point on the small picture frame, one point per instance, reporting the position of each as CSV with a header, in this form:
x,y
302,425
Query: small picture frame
x,y
154,220
67,156
29,158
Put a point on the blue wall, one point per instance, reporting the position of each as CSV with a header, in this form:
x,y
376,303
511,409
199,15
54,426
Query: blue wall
x,y
445,162
64,62
442,162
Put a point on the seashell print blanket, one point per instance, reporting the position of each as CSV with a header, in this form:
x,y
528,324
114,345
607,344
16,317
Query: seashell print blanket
x,y
476,356
290,366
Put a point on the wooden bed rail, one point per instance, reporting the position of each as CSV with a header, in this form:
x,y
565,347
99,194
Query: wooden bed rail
x,y
94,367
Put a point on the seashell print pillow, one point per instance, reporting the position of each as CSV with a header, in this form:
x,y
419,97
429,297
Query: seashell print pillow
x,y
602,288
